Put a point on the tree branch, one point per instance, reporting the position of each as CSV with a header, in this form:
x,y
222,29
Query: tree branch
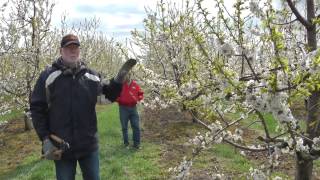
x,y
295,11
285,23
264,124
199,121
245,148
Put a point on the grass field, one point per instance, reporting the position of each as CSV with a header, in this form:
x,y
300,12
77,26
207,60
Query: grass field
x,y
116,162
12,115
164,144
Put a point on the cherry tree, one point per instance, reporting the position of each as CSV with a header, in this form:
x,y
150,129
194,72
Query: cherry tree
x,y
242,62
24,29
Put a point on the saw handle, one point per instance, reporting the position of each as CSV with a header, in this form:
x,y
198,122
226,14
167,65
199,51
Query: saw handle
x,y
63,145
56,138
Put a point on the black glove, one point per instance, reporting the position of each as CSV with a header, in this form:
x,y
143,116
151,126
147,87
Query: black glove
x,y
124,70
112,90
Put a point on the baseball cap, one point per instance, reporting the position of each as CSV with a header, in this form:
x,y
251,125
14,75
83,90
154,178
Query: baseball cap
x,y
69,39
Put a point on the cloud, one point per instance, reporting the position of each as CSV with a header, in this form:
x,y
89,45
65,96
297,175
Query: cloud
x,y
130,26
115,9
117,17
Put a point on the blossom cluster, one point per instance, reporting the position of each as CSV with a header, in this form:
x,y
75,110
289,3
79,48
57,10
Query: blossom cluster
x,y
154,83
3,123
257,174
190,88
275,103
182,170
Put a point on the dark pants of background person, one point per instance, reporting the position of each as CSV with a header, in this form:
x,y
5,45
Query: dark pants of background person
x,y
66,169
130,114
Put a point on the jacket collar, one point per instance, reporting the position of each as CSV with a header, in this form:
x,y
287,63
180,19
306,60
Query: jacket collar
x,y
67,70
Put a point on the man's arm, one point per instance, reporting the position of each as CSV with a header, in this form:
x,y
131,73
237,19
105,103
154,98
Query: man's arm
x,y
112,90
124,70
39,108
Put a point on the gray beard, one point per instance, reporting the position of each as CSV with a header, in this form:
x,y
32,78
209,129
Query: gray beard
x,y
71,65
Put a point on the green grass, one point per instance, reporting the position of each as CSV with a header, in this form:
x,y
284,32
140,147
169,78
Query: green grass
x,y
317,163
255,123
271,122
231,158
12,115
32,168
119,162
223,158
116,162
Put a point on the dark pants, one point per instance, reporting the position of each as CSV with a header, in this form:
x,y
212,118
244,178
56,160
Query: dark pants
x,y
89,164
130,114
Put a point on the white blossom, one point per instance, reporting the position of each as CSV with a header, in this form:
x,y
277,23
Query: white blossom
x,y
316,143
226,49
257,174
254,7
300,146
277,178
242,153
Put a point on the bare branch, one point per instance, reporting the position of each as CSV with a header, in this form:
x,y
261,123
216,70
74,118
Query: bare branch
x,y
221,117
303,21
263,121
285,23
245,148
199,121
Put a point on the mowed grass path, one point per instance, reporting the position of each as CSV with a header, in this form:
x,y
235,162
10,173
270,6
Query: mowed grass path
x,y
116,162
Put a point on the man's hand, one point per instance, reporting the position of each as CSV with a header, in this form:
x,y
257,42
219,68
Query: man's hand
x,y
124,70
50,151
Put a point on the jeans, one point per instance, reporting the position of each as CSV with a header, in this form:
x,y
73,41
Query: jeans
x,y
130,114
89,164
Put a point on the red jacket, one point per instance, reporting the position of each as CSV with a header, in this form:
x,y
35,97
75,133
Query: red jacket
x,y
130,94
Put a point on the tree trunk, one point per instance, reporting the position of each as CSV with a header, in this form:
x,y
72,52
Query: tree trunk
x,y
27,121
305,166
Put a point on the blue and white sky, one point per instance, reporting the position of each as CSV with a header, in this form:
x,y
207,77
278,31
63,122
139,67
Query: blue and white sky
x,y
118,17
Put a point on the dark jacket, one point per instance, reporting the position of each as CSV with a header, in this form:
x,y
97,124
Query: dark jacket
x,y
63,103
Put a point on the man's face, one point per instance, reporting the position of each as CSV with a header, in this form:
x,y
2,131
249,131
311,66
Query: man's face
x,y
70,54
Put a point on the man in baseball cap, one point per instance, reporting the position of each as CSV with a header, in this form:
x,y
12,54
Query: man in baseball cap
x,y
63,106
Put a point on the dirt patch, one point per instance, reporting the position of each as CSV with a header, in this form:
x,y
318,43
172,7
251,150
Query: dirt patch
x,y
16,144
166,125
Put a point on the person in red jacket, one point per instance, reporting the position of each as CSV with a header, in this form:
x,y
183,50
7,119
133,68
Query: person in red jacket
x,y
130,95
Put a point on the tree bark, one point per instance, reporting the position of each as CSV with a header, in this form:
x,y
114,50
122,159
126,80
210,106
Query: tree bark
x,y
28,125
304,166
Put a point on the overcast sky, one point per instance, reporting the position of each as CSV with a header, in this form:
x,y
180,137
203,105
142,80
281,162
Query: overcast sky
x,y
118,17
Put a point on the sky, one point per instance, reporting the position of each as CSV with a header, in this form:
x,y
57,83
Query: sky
x,y
117,17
